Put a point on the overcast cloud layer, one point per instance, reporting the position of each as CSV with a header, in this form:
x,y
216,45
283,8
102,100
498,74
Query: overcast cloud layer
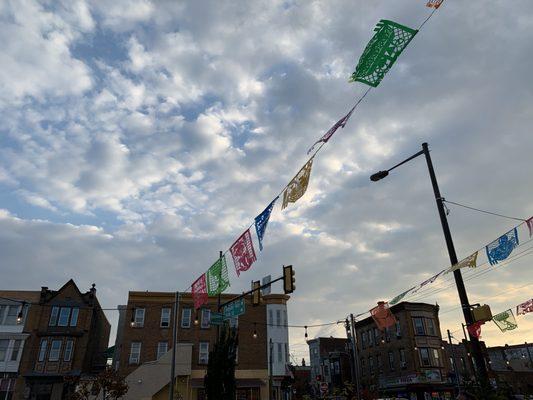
x,y
140,138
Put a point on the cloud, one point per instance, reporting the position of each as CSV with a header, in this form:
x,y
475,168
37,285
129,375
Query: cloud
x,y
149,135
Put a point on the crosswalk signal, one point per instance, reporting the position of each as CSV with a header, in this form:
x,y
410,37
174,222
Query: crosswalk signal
x,y
256,293
289,281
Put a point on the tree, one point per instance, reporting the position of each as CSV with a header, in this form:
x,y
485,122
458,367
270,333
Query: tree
x,y
107,385
220,378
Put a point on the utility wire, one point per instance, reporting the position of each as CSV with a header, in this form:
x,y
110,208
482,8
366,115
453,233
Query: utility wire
x,y
483,211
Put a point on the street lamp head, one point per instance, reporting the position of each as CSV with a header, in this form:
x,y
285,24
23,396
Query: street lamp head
x,y
378,176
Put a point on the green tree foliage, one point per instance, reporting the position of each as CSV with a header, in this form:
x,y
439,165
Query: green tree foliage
x,y
107,385
220,378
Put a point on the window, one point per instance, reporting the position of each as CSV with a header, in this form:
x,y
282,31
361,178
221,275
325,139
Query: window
x,y
206,317
165,317
203,353
42,350
55,350
424,357
391,360
186,318
403,361
280,353
278,317
64,314
431,327
370,338
463,364
364,339
135,352
162,348
53,316
271,317
387,334
284,317
376,336
16,349
419,326
12,314
436,358
363,367
4,344
139,317
398,330
67,354
371,365
74,316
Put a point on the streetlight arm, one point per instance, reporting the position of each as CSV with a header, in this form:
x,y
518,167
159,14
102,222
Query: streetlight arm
x,y
382,174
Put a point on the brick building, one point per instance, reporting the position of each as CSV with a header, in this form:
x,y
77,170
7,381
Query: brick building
x,y
512,367
68,334
14,305
406,360
330,362
146,333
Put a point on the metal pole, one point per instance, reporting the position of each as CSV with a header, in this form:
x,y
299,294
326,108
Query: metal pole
x,y
356,357
270,388
174,344
454,362
476,347
351,354
218,300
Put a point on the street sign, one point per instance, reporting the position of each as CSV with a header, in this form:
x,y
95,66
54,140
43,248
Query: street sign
x,y
234,309
216,318
266,290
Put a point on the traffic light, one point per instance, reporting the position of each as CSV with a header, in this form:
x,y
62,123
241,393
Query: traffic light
x,y
289,281
256,293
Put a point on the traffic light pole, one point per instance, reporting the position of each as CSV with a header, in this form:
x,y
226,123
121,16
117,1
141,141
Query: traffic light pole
x,y
241,296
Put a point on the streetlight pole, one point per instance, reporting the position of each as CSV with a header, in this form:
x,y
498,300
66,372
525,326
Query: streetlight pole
x,y
465,305
174,344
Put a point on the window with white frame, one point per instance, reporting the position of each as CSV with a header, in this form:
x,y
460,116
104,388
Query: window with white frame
x,y
162,348
424,357
4,345
53,316
135,353
436,357
67,354
186,317
55,350
42,350
206,317
64,314
11,315
418,324
139,317
165,317
74,316
431,326
16,350
203,353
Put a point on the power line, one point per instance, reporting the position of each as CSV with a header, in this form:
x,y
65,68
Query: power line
x,y
483,211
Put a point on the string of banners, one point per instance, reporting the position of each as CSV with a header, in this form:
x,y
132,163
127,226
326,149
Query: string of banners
x,y
388,42
504,320
495,252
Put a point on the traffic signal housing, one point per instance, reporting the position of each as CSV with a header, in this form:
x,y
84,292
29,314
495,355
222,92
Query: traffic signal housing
x,y
289,280
256,293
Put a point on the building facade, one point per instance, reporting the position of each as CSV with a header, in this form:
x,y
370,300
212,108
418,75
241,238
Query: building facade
x,y
330,362
512,367
68,335
406,360
146,337
14,306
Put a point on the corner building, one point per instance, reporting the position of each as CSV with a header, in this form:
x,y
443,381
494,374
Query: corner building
x,y
145,337
407,360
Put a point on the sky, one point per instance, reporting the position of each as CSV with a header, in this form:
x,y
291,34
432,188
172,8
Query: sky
x,y
139,138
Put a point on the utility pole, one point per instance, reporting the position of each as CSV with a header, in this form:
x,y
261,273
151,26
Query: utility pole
x,y
174,344
356,358
270,385
454,362
352,354
218,299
